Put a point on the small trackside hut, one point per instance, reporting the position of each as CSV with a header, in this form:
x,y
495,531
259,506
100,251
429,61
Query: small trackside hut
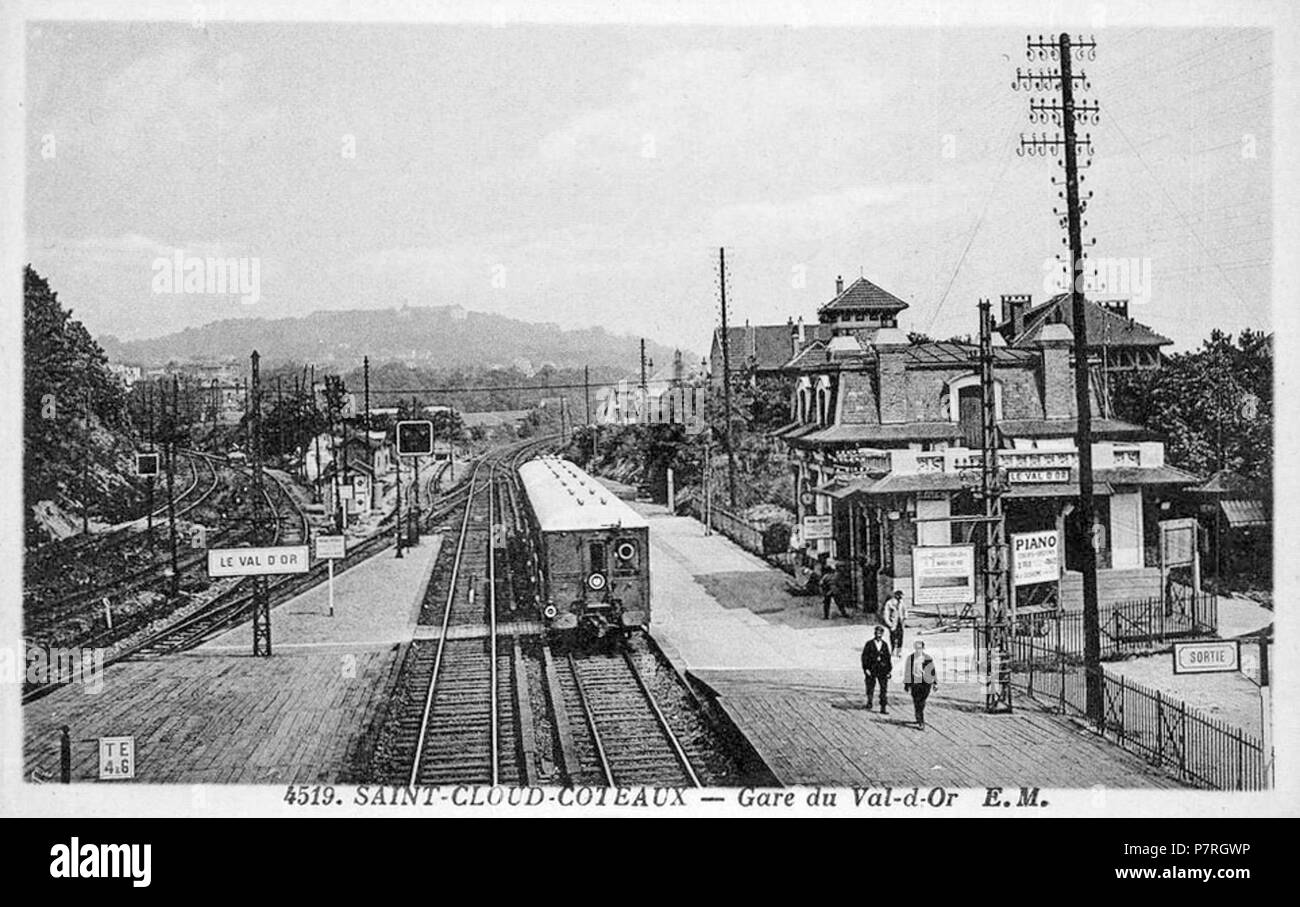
x,y
593,551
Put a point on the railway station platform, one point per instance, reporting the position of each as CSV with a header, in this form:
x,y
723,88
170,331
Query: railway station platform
x,y
791,684
218,714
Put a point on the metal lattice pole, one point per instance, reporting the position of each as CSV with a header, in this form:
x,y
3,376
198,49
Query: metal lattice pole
x,y
261,594
993,564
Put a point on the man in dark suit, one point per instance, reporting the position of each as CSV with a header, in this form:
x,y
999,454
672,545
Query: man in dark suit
x,y
877,665
919,679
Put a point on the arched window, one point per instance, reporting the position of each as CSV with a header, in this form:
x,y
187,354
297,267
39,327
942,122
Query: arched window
x,y
966,382
803,401
823,398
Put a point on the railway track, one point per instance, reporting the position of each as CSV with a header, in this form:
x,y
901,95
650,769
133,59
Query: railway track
x,y
155,573
465,714
626,738
466,717
232,606
186,500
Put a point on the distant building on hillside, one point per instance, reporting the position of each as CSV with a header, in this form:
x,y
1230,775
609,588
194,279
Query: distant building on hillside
x,y
127,374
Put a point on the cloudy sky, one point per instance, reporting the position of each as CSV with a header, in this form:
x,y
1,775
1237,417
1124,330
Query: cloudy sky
x,y
588,175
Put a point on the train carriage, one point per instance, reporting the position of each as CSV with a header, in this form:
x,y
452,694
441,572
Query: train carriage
x,y
593,551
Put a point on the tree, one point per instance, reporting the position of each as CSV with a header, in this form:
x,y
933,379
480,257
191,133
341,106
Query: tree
x,y
1214,405
68,394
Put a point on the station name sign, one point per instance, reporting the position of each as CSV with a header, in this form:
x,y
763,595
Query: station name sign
x,y
1038,476
258,561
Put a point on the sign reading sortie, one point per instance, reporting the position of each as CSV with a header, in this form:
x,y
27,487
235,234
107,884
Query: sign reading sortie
x,y
1217,657
258,561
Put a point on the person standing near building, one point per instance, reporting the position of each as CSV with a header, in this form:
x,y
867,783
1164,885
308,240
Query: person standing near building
x,y
895,624
830,592
889,617
877,665
919,679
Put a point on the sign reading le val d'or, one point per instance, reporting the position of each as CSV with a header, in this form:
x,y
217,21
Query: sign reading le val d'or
x,y
258,561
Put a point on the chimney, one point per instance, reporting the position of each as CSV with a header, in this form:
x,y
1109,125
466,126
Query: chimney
x,y
1014,306
891,355
679,369
1055,341
839,285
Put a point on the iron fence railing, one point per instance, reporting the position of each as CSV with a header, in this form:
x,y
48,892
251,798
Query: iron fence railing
x,y
1195,747
1126,627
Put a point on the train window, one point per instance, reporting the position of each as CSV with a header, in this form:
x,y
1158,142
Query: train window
x,y
596,556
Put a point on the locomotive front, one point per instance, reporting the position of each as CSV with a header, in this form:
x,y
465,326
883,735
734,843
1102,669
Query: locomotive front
x,y
593,551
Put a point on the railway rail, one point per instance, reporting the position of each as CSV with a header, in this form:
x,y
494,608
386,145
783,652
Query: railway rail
x,y
291,523
466,714
474,715
630,739
232,606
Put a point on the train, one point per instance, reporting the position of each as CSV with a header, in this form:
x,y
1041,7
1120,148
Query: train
x,y
590,551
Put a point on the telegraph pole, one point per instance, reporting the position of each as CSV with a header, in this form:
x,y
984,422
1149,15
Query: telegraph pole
x,y
365,370
586,399
397,519
261,597
85,468
148,404
173,432
1065,114
726,381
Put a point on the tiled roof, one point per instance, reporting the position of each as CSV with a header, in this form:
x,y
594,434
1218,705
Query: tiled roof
x,y
767,345
866,434
948,352
863,294
1136,475
1102,429
1227,483
1105,328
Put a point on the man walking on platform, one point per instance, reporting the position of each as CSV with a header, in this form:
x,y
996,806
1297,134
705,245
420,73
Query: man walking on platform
x,y
877,665
919,679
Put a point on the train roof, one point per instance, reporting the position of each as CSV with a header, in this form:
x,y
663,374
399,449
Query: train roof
x,y
566,499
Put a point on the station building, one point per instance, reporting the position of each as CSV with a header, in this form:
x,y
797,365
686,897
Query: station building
x,y
885,439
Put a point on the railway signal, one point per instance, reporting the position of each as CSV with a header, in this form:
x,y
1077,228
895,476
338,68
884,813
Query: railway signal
x,y
146,465
414,439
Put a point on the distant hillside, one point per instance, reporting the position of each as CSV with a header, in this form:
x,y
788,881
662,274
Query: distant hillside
x,y
439,336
